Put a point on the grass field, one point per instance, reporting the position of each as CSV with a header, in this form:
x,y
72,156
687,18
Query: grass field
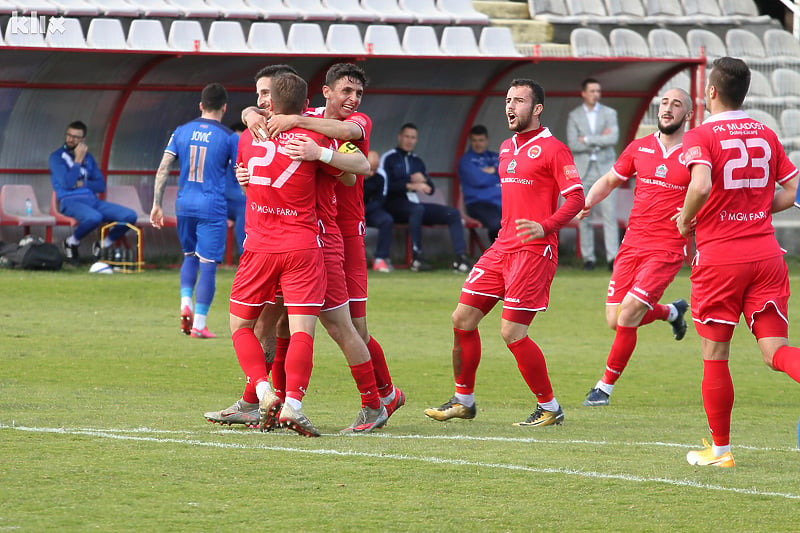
x,y
102,401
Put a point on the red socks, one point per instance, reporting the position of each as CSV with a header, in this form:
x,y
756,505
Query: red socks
x,y
620,354
249,395
250,355
658,312
278,371
381,371
364,375
787,359
532,366
466,357
299,362
717,390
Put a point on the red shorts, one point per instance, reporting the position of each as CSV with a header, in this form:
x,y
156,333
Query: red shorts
x,y
721,293
336,288
521,279
355,268
300,274
644,274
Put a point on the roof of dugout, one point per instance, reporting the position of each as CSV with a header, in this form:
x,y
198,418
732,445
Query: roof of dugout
x,y
132,101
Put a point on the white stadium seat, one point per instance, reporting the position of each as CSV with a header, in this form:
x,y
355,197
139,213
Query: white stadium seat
x,y
226,36
497,41
267,37
351,11
421,41
147,34
15,37
156,8
186,35
628,43
462,12
312,10
382,39
274,10
424,12
711,43
76,8
746,45
70,37
306,38
116,8
344,39
196,8
587,42
666,43
553,11
106,33
235,9
459,41
388,11
41,7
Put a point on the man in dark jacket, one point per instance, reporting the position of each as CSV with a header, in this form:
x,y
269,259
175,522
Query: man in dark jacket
x,y
406,180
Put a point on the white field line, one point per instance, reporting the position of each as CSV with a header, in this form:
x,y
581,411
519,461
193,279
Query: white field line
x,y
213,429
115,435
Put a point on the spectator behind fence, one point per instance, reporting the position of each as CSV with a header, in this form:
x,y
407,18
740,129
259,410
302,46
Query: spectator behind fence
x,y
592,132
376,216
480,183
77,181
406,179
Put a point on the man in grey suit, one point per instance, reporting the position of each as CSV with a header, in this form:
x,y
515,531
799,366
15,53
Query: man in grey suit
x,y
592,133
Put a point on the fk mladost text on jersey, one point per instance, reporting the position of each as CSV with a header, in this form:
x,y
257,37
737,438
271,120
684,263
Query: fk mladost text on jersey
x,y
743,128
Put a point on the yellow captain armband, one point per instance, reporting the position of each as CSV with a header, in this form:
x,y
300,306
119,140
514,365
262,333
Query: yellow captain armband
x,y
349,148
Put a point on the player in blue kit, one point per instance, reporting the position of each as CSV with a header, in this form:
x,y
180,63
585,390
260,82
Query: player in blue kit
x,y
206,150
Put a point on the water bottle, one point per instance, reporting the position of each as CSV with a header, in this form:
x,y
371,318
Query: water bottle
x,y
28,207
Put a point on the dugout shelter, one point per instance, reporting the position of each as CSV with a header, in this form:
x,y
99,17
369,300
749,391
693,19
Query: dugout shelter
x,y
131,102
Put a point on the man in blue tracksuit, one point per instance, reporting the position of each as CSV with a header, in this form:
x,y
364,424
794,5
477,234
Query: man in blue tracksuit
x,y
77,181
480,183
406,179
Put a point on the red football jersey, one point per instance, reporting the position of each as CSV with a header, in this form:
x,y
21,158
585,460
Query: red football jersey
x,y
351,199
281,210
746,159
535,168
661,182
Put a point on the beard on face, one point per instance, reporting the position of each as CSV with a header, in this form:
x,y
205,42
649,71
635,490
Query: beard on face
x,y
671,128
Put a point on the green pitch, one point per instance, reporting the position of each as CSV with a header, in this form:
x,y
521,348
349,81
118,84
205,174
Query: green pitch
x,y
102,402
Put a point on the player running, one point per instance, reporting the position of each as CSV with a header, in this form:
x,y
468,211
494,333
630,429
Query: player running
x,y
535,168
652,251
735,163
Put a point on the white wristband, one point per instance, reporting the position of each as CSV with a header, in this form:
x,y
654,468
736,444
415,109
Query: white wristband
x,y
326,155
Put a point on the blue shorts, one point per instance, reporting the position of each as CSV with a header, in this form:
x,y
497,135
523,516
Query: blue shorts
x,y
203,237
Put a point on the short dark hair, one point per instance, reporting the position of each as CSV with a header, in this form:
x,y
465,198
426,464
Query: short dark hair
x,y
408,125
214,97
289,94
479,129
345,70
587,81
731,77
78,125
271,71
536,89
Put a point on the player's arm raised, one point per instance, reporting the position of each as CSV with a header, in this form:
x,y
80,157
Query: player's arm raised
x,y
156,214
335,129
256,121
305,149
